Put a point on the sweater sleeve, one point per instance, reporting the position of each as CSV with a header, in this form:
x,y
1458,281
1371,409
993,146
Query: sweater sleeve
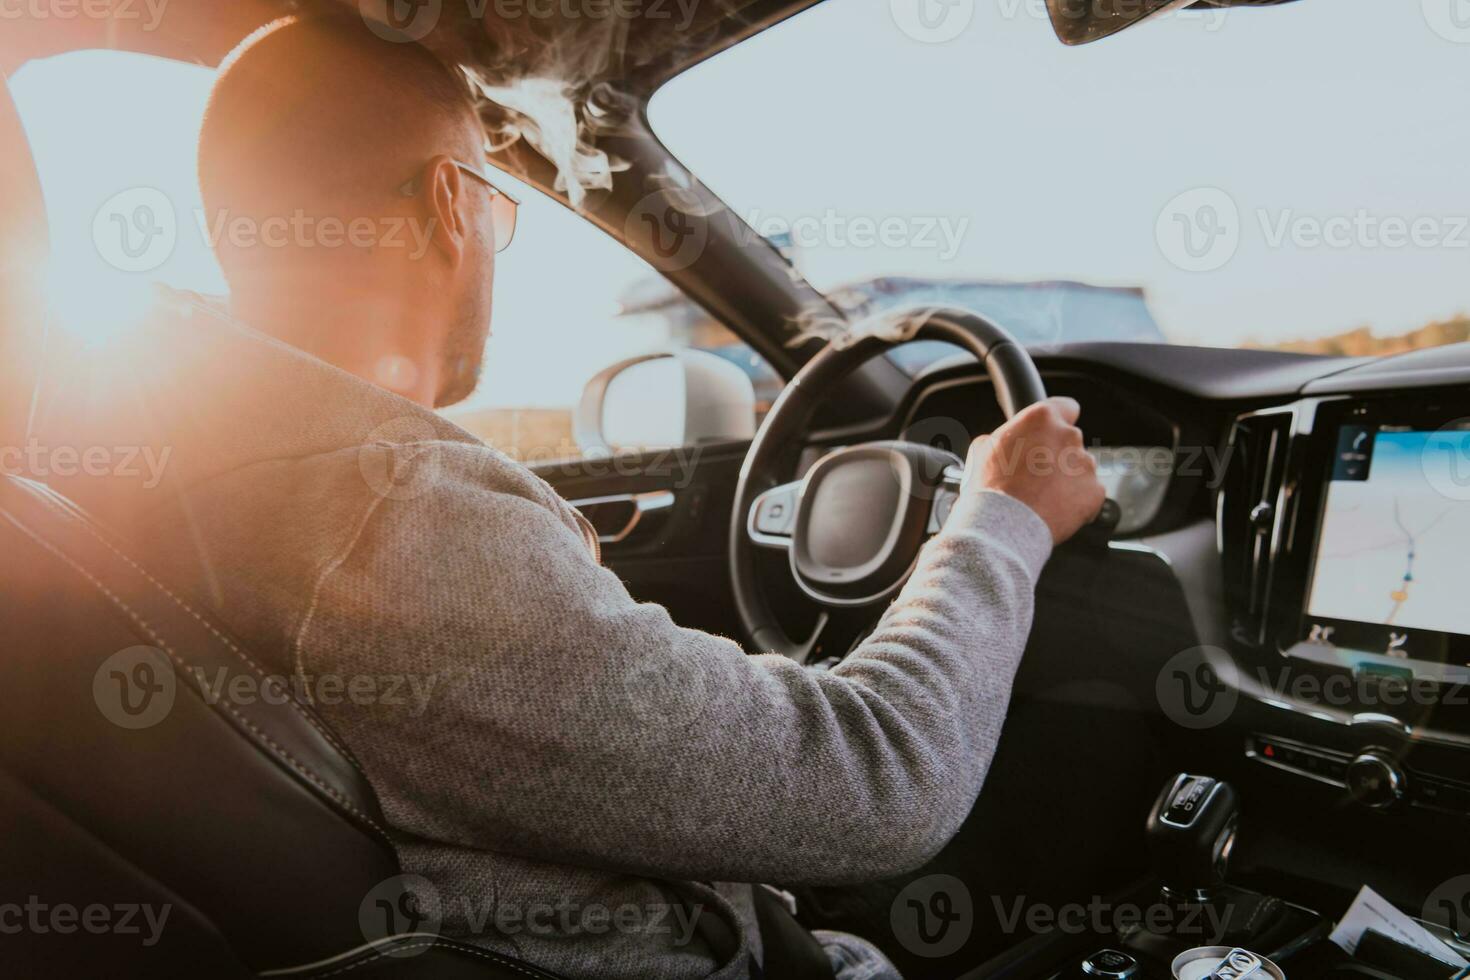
x,y
547,714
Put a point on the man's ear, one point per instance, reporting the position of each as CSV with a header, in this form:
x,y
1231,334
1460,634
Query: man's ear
x,y
443,197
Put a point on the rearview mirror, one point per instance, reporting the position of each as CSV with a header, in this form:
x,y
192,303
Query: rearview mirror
x,y
665,401
1082,21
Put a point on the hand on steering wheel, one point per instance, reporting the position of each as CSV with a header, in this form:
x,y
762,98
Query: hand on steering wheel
x,y
1039,458
853,527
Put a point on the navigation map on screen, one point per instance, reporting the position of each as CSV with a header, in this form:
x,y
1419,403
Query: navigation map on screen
x,y
1392,550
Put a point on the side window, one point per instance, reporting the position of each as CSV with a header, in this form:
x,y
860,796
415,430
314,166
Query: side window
x,y
569,301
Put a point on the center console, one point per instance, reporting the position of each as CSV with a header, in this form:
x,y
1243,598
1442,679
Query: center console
x,y
1189,922
1332,691
1193,913
1345,539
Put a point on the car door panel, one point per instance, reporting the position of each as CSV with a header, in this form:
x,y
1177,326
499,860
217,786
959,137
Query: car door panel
x,y
662,518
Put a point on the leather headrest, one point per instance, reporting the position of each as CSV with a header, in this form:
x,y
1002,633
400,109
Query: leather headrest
x,y
24,251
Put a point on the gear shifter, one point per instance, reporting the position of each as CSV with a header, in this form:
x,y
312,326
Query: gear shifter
x,y
1191,831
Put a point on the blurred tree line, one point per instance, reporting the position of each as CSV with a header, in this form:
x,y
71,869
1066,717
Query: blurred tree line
x,y
1363,342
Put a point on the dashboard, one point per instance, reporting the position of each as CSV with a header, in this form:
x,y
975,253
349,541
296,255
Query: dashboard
x,y
1284,605
1305,522
1136,446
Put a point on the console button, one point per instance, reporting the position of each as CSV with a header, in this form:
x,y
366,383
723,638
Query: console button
x,y
1308,761
1428,792
1439,795
1110,963
1456,798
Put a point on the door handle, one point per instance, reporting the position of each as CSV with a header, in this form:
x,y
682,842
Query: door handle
x,y
617,516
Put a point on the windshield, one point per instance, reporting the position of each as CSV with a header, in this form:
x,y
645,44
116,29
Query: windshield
x,y
1293,176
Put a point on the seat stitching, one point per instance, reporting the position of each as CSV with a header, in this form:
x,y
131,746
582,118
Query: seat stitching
x,y
428,943
173,655
259,671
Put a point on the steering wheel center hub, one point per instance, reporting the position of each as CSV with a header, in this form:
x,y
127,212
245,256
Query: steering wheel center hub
x,y
863,514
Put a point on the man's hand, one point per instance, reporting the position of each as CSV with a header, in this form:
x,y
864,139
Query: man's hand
x,y
1038,458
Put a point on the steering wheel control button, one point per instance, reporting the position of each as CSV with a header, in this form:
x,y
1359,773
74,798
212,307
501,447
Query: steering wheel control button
x,y
773,516
1110,963
776,514
1375,781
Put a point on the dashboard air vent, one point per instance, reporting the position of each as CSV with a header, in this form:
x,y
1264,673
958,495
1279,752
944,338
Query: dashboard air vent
x,y
1249,498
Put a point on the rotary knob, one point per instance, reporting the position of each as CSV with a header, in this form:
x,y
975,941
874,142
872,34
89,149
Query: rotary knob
x,y
1374,780
1110,965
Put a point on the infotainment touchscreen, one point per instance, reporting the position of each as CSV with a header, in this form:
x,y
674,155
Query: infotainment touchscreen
x,y
1390,575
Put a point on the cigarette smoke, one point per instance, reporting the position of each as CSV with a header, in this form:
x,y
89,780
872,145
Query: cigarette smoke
x,y
543,112
894,326
550,81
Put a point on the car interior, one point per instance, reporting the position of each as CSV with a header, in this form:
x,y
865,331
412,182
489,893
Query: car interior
x,y
1231,711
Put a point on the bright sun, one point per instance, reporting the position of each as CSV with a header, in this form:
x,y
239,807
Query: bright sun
x,y
114,137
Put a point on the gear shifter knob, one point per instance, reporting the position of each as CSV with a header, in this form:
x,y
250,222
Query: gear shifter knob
x,y
1191,830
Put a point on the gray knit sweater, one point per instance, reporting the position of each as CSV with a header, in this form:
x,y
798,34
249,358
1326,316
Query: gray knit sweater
x,y
566,768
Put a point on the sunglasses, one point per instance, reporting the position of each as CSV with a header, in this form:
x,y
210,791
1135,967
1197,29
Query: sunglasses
x,y
503,207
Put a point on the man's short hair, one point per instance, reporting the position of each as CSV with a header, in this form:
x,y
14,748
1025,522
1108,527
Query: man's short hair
x,y
310,110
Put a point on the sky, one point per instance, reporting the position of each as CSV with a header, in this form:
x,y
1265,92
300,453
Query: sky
x,y
1064,159
1191,156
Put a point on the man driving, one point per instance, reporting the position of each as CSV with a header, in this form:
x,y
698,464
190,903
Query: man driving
x,y
573,748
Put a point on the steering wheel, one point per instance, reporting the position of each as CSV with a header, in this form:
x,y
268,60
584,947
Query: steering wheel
x,y
854,525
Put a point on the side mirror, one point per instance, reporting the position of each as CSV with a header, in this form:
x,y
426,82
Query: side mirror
x,y
665,401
